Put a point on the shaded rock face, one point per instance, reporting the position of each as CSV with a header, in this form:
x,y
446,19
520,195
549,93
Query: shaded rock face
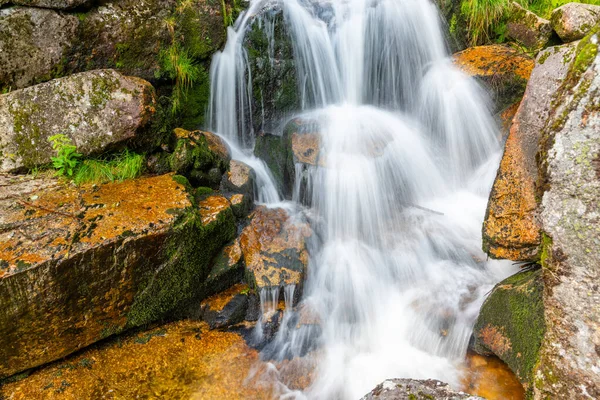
x,y
96,109
511,324
80,264
574,20
511,227
569,156
274,151
402,389
503,70
527,28
201,156
33,43
274,248
54,4
227,308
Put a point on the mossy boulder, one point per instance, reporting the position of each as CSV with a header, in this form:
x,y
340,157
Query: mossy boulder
x,y
511,324
80,264
527,28
502,69
200,156
274,246
511,227
274,151
97,110
53,4
569,160
33,45
413,389
574,20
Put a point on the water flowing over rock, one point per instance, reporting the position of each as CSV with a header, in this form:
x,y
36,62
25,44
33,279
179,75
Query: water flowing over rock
x,y
511,324
574,20
527,28
80,264
96,110
511,228
569,159
33,43
401,389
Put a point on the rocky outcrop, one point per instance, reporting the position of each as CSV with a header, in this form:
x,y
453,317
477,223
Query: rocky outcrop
x,y
527,28
54,4
511,228
503,70
80,264
274,151
274,248
201,156
570,167
511,324
574,20
33,44
227,308
401,389
96,110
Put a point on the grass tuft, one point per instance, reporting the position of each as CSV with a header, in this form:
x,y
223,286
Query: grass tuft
x,y
120,167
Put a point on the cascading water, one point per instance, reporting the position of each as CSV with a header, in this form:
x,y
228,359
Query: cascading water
x,y
409,152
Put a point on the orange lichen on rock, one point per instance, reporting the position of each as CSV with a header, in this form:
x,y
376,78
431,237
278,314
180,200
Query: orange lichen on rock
x,y
306,148
490,378
212,207
494,60
219,301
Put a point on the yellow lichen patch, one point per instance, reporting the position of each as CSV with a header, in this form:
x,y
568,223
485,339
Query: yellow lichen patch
x,y
306,148
233,253
212,207
491,379
182,360
510,228
493,60
219,301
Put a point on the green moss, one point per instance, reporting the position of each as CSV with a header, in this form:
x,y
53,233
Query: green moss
x,y
543,58
515,311
545,250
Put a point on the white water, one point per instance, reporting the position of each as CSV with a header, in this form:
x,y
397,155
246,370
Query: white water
x,y
397,275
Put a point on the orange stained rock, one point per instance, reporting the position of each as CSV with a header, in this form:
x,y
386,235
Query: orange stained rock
x,y
511,228
492,60
219,301
490,378
306,148
212,207
181,360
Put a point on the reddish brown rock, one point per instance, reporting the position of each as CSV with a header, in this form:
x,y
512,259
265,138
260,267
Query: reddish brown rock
x,y
78,264
511,228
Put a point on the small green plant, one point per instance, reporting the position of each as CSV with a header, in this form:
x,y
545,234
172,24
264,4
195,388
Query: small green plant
x,y
482,16
179,66
67,157
120,167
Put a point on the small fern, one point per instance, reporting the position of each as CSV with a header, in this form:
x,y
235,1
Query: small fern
x,y
67,157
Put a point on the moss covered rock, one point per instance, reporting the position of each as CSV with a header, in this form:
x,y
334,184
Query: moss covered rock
x,y
412,389
574,20
511,227
275,152
33,45
96,110
503,70
527,28
53,4
80,264
511,324
570,167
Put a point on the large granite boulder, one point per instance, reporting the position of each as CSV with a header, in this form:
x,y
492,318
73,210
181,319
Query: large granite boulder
x,y
96,110
569,365
80,264
408,389
275,249
53,4
33,44
527,28
574,20
511,324
502,69
511,228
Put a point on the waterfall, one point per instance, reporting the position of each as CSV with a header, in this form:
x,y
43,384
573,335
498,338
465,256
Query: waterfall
x,y
397,275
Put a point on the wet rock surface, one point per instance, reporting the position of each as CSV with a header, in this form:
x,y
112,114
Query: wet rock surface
x,y
96,110
527,28
503,70
33,42
511,324
227,308
80,264
274,248
574,20
402,389
511,228
53,4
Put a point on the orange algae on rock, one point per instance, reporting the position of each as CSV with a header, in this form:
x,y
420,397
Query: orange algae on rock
x,y
490,378
494,60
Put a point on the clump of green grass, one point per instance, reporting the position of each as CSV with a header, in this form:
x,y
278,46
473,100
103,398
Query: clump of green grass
x,y
178,65
120,167
482,17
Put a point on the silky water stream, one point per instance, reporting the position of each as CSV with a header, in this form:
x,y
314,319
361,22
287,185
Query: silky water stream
x,y
408,153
